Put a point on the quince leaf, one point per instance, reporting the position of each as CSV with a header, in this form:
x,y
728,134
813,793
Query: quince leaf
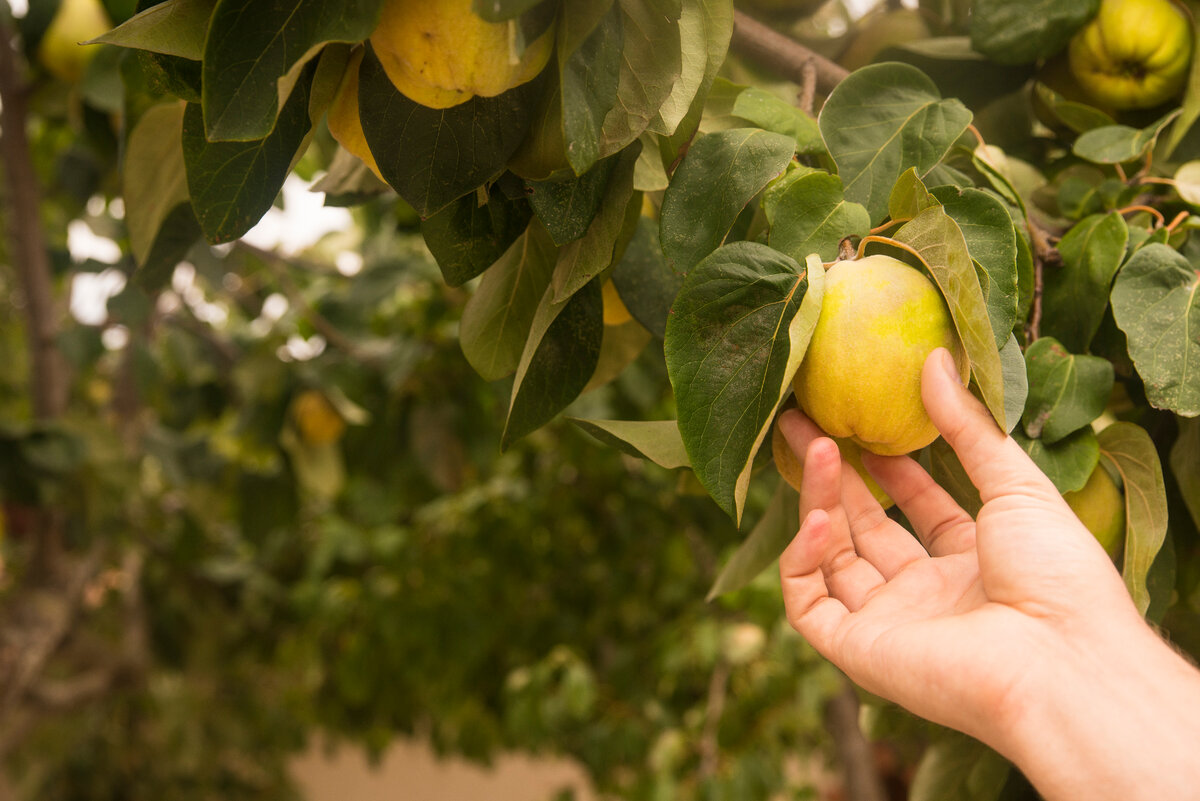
x,y
252,48
1186,466
1068,462
155,178
1066,391
467,237
882,120
1077,294
812,215
1156,302
567,207
590,42
1131,451
762,546
960,768
656,440
644,281
1024,31
1117,144
737,332
705,28
174,28
720,174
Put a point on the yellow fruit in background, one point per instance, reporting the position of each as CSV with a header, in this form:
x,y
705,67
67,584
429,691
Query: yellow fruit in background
x,y
343,119
60,51
878,32
1133,54
315,418
615,311
1100,506
439,53
861,376
792,470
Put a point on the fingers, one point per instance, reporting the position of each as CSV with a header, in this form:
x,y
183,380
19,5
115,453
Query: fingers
x,y
994,462
885,545
806,599
939,521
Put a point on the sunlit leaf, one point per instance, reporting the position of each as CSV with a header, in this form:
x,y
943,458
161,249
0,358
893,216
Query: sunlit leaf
x,y
656,440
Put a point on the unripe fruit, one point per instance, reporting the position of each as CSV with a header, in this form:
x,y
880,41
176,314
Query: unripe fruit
x,y
1133,54
861,376
439,53
60,51
1100,506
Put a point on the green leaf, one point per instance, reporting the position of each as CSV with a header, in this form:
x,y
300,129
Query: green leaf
x,y
1185,464
762,546
1117,144
1131,451
174,28
1016,381
497,318
644,281
992,243
1156,302
656,440
155,178
958,768
590,41
651,62
909,197
813,216
621,344
233,184
567,207
585,258
1190,108
736,335
1076,293
941,246
1067,392
178,232
705,27
435,156
560,356
1068,462
949,473
251,47
1079,117
882,120
720,174
772,113
467,237
958,70
1023,31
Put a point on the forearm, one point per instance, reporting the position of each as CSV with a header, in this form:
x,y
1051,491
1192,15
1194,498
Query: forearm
x,y
1120,721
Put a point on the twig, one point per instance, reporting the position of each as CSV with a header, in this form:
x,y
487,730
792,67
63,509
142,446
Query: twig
x,y
709,745
786,56
808,87
841,718
1043,254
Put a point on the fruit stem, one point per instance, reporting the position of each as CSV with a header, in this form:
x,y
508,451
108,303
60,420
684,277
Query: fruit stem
x,y
1155,213
883,240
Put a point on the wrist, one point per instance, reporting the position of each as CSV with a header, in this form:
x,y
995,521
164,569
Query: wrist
x,y
1112,715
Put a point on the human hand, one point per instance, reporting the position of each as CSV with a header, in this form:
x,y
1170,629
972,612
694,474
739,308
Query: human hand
x,y
979,624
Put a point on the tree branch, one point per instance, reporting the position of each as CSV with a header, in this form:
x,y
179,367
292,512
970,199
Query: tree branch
x,y
762,44
28,241
854,752
709,746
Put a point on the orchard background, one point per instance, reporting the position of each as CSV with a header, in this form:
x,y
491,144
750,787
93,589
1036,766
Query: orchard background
x,y
491,467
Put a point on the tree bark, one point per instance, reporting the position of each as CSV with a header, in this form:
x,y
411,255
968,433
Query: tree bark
x,y
787,57
858,764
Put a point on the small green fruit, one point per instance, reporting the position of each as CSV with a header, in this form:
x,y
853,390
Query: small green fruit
x,y
1100,506
60,50
861,377
1133,54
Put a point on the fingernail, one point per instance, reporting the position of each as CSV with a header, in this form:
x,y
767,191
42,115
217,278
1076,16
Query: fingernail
x,y
949,367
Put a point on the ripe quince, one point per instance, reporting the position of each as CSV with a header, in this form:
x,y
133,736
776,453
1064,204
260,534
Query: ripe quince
x,y
61,51
1133,53
1100,506
861,376
439,53
792,470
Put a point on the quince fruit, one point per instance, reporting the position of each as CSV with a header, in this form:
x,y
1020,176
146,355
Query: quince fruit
x,y
1133,53
439,53
861,376
316,420
1100,506
75,22
792,469
343,119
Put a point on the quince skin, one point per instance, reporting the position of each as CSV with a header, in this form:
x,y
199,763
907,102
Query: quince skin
x,y
439,53
792,470
61,51
861,376
1100,506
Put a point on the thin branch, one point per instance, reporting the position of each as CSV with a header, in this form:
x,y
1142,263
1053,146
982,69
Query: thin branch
x,y
787,57
854,752
709,746
29,252
808,88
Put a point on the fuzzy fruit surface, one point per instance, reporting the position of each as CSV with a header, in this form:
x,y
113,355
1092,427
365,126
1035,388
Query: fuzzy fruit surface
x,y
861,376
60,51
1133,54
793,471
439,53
1100,506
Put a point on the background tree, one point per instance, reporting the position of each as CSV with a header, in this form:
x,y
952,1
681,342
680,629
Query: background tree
x,y
265,494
